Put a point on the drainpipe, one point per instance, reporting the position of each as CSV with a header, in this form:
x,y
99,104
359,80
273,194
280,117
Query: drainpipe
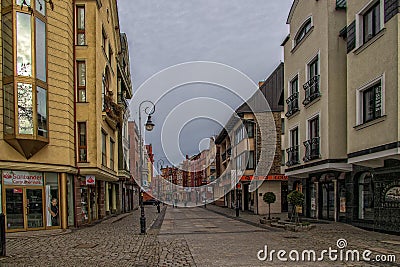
x,y
75,128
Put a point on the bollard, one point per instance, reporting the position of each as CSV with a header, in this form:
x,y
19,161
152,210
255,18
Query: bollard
x,y
2,235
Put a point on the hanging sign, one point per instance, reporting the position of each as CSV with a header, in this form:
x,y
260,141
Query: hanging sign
x,y
22,178
90,180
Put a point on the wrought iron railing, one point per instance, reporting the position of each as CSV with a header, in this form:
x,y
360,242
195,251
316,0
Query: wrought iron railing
x,y
293,156
293,104
311,90
312,149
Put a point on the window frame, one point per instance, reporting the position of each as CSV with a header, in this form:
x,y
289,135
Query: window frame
x,y
81,87
360,99
78,30
303,30
112,151
85,147
316,116
360,22
103,148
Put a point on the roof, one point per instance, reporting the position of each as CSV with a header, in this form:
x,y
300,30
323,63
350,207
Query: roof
x,y
292,9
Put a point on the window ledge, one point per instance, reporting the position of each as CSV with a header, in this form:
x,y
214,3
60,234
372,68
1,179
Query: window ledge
x,y
293,115
369,42
83,46
370,123
82,102
313,101
302,40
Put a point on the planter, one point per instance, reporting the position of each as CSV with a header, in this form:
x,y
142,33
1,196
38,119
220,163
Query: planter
x,y
299,228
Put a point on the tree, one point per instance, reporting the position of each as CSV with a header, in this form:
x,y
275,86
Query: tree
x,y
269,198
296,198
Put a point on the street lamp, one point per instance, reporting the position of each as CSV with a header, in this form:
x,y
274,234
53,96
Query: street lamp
x,y
149,127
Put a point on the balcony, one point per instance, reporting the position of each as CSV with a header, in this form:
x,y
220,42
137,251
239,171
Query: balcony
x,y
293,156
293,104
311,90
113,113
312,149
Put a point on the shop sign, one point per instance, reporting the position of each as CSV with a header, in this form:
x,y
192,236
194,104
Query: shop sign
x,y
22,178
264,178
90,180
393,194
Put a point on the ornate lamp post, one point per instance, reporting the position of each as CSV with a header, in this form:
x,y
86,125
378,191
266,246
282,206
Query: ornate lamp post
x,y
149,127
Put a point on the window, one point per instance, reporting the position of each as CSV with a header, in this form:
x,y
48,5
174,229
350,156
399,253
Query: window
x,y
371,22
80,31
312,145
104,39
365,197
313,127
82,141
105,86
24,49
282,126
294,85
81,72
372,102
293,100
293,150
250,128
303,31
110,52
112,145
313,68
103,149
283,162
41,99
239,134
250,162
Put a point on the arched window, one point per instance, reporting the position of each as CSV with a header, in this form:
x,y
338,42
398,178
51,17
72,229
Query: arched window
x,y
305,28
365,197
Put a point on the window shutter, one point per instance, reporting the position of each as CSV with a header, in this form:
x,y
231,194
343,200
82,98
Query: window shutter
x,y
391,9
351,36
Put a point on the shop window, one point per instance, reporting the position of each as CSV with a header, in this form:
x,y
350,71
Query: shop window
x,y
70,199
52,200
365,197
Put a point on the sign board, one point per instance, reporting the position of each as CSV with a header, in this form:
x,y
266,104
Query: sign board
x,y
22,178
264,178
90,180
393,194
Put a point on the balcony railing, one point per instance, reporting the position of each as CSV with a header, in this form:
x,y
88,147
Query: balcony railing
x,y
311,90
293,104
293,156
312,149
113,110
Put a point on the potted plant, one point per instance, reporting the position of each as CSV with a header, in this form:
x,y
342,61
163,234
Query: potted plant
x,y
269,198
296,198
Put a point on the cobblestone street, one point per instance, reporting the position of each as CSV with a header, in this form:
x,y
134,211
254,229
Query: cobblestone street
x,y
187,237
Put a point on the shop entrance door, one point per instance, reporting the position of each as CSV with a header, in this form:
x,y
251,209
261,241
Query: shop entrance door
x,y
24,209
328,201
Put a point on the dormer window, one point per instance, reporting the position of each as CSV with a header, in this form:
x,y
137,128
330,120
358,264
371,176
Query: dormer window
x,y
305,28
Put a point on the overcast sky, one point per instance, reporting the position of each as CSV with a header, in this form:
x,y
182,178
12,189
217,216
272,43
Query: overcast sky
x,y
245,35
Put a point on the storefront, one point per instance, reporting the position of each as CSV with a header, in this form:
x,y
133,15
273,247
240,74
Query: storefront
x,y
88,199
31,200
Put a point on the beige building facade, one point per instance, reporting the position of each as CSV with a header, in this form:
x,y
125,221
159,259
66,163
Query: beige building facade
x,y
63,123
315,105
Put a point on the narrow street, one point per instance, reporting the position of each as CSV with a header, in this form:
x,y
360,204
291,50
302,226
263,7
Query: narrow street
x,y
186,237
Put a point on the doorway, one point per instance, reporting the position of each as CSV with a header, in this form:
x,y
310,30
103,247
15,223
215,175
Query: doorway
x,y
328,201
24,208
